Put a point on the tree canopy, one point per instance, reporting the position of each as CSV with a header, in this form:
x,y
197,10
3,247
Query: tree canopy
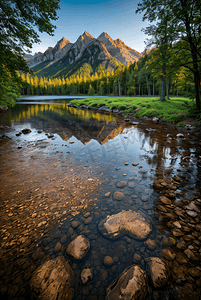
x,y
171,21
19,22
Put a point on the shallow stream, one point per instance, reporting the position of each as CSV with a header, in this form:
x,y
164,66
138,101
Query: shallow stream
x,y
67,168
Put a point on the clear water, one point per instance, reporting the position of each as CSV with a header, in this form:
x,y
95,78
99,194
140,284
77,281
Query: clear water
x,y
95,145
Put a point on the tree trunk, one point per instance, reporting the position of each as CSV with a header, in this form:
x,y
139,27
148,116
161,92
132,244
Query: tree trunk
x,y
163,89
119,85
153,86
167,91
148,87
139,89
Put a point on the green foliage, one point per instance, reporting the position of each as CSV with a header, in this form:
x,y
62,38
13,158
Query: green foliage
x,y
181,124
18,22
91,91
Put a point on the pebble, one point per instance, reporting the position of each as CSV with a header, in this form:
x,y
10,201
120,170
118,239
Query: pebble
x,y
135,164
165,200
118,196
75,224
107,194
108,261
136,258
190,254
150,244
121,184
168,254
88,220
126,163
57,248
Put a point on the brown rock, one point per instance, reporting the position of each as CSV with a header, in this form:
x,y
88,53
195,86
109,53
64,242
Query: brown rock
x,y
118,196
165,200
194,272
121,184
150,244
135,164
168,254
108,261
136,258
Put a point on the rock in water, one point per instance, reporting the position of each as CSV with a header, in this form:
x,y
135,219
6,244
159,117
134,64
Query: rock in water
x,y
86,276
26,131
128,222
157,271
53,280
132,284
79,247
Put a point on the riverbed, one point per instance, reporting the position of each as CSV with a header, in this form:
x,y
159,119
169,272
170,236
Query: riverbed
x,y
67,167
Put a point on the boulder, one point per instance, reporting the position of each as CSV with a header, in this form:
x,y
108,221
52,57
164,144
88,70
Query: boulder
x,y
157,271
53,280
131,223
86,275
79,247
131,284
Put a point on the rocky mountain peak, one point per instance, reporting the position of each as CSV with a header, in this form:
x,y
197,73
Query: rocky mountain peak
x,y
61,43
88,35
105,38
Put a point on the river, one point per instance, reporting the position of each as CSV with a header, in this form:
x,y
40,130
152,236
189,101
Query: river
x,y
69,167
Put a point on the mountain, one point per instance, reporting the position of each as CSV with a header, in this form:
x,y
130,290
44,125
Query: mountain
x,y
65,59
51,54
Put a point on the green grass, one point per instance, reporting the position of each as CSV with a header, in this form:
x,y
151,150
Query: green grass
x,y
170,111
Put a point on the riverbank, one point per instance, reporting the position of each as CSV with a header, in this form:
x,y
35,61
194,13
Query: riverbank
x,y
177,110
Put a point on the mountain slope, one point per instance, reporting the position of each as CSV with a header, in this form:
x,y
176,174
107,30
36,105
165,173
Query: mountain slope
x,y
51,54
66,60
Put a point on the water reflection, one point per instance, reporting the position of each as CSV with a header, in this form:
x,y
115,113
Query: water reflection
x,y
69,167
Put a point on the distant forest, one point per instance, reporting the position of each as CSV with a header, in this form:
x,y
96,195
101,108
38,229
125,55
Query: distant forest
x,y
141,78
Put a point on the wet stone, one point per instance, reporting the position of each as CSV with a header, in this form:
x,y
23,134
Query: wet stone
x,y
181,258
131,223
53,280
136,258
150,244
75,224
177,232
57,248
121,184
131,185
118,196
88,220
194,272
107,194
157,271
165,200
131,284
191,213
168,254
86,275
79,247
135,164
190,254
108,261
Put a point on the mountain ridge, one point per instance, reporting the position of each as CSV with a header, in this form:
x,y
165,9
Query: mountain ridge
x,y
87,49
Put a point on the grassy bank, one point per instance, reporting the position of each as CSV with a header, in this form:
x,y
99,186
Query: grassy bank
x,y
171,111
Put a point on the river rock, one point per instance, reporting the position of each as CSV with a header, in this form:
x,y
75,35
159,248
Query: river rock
x,y
108,261
157,271
86,275
79,247
131,284
165,200
26,131
53,280
121,184
131,223
75,224
136,258
135,164
190,254
118,196
150,244
168,254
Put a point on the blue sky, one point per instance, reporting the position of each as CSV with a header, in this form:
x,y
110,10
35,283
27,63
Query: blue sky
x,y
115,17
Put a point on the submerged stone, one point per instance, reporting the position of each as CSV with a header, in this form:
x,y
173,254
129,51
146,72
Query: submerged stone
x,y
132,284
131,223
157,271
53,280
79,247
